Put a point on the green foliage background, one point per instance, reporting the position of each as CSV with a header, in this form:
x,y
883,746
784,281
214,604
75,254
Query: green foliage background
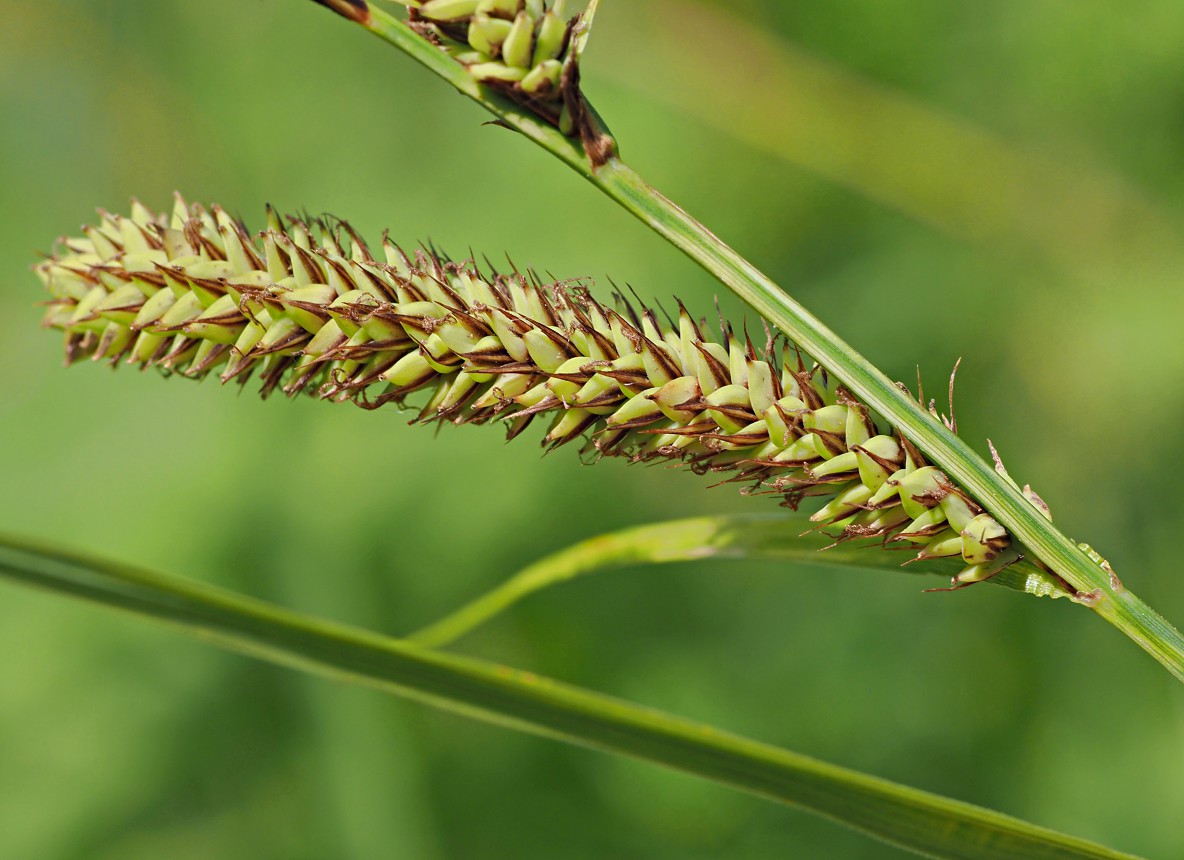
x,y
1060,291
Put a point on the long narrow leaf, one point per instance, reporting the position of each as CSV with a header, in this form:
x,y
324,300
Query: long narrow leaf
x,y
916,820
776,537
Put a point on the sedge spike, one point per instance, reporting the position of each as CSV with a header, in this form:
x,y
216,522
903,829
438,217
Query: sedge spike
x,y
309,308
527,50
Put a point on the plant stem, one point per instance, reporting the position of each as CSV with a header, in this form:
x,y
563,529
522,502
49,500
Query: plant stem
x,y
916,820
1003,501
1144,626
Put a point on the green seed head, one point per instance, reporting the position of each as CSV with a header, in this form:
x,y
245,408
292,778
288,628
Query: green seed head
x,y
519,37
309,308
527,49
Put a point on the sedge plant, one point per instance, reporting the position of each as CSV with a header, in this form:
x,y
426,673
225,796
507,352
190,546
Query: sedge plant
x,y
306,306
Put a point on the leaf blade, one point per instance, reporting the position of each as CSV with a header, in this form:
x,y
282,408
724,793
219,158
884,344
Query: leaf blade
x,y
916,820
770,537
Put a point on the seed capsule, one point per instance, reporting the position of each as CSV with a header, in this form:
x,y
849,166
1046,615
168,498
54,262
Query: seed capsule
x,y
543,77
552,34
983,539
487,34
921,490
985,570
448,10
517,46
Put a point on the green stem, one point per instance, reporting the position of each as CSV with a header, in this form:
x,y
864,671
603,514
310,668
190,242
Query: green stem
x,y
622,184
1149,630
916,820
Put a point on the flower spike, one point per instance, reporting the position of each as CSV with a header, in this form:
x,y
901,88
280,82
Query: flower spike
x,y
527,50
309,308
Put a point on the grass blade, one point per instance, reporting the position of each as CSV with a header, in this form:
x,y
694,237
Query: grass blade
x,y
925,823
775,537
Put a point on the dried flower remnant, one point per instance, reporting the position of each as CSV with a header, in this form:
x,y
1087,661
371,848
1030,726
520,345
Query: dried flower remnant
x,y
357,11
309,308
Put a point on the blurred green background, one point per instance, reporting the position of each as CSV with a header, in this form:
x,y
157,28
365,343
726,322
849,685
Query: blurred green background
x,y
1000,182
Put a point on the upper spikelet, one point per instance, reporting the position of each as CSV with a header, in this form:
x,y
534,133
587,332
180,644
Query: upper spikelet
x,y
311,309
528,49
522,44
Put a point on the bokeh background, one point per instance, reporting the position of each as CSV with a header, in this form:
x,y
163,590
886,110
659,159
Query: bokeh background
x,y
1000,182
